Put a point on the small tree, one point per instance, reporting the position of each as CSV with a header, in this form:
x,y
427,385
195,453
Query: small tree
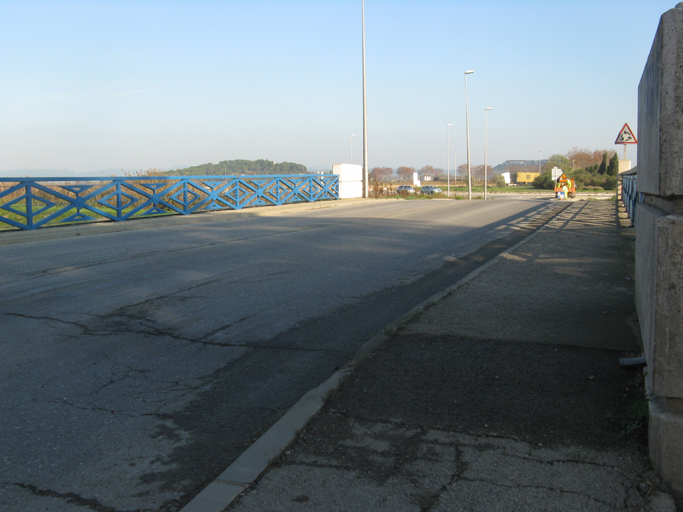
x,y
427,169
613,168
376,187
603,165
381,173
405,173
462,172
559,161
477,172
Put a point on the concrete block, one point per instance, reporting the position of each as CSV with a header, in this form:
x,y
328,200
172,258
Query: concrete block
x,y
659,296
665,442
350,180
660,103
646,256
348,172
350,189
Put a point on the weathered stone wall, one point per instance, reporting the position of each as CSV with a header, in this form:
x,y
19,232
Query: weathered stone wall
x,y
659,297
660,104
659,243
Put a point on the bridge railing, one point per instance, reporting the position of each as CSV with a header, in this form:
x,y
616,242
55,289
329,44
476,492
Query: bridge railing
x,y
31,203
630,195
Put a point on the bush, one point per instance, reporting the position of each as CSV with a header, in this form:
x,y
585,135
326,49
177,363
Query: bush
x,y
544,181
610,183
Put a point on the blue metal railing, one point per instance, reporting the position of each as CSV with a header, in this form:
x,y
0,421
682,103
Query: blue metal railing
x,y
630,195
30,203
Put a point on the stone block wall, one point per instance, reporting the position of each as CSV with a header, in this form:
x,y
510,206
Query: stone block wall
x,y
659,243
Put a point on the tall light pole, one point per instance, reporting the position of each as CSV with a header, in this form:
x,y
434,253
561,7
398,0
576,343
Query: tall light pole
x,y
467,123
486,148
540,151
352,136
448,159
455,169
365,119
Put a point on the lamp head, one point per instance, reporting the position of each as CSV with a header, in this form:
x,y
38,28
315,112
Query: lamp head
x,y
488,108
469,72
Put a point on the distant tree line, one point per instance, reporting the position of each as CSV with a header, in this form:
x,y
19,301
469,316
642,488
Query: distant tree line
x,y
592,169
239,167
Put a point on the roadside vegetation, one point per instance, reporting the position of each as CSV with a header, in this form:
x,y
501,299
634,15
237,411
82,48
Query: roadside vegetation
x,y
598,172
594,171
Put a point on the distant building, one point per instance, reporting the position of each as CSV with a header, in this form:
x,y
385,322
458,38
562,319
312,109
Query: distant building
x,y
527,178
427,177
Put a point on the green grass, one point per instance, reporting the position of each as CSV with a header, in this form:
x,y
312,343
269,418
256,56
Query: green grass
x,y
22,220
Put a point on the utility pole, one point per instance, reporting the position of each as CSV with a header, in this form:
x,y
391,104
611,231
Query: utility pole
x,y
365,120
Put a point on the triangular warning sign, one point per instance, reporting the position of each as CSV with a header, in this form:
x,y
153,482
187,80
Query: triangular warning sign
x,y
626,136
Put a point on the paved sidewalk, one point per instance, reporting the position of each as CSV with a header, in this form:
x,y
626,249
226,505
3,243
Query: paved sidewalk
x,y
505,395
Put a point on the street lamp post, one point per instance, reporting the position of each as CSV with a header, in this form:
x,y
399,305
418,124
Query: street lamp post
x,y
540,152
352,136
455,170
486,149
448,159
467,123
365,120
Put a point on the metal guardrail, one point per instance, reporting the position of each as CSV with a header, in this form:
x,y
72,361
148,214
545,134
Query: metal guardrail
x,y
630,195
31,203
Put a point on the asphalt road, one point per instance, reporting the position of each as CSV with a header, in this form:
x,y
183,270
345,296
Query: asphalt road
x,y
135,365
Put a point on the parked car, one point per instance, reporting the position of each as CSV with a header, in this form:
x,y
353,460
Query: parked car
x,y
405,189
428,189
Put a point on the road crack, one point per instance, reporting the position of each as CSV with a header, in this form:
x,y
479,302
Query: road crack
x,y
70,497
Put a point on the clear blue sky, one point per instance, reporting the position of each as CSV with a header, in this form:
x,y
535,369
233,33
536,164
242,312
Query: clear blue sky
x,y
91,85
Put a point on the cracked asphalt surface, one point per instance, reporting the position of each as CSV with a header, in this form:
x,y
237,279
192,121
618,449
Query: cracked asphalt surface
x,y
136,365
505,395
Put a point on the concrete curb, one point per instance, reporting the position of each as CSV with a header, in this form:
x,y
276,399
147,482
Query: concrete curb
x,y
249,466
220,493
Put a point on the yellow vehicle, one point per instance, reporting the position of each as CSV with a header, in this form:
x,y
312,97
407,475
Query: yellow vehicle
x,y
561,182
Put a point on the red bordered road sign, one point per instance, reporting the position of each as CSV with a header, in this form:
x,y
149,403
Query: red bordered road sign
x,y
626,136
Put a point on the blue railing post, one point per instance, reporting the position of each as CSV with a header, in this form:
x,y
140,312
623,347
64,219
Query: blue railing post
x,y
29,207
630,196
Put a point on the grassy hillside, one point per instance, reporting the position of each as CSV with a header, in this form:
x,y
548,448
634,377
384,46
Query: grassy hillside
x,y
239,167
